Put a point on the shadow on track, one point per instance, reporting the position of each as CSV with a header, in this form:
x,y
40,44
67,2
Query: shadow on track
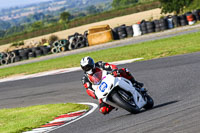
x,y
165,104
160,106
155,107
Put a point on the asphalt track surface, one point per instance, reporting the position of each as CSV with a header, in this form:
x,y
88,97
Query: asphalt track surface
x,y
173,82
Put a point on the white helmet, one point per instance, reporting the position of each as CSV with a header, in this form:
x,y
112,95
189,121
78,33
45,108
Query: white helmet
x,y
87,64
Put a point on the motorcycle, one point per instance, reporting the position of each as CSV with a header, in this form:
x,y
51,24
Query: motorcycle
x,y
119,92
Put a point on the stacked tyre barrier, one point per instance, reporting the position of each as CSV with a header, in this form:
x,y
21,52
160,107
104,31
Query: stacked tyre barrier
x,y
129,31
176,20
183,20
145,27
157,25
7,58
120,32
163,24
150,27
77,41
23,54
60,46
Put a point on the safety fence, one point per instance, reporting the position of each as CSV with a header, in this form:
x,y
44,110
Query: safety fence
x,y
101,34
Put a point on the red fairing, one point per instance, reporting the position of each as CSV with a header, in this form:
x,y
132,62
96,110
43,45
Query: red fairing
x,y
91,93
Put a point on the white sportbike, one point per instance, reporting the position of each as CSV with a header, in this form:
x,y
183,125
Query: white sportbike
x,y
120,92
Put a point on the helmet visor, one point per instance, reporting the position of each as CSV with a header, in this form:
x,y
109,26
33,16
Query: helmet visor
x,y
87,67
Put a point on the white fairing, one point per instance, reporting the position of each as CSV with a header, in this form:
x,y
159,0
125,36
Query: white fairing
x,y
109,82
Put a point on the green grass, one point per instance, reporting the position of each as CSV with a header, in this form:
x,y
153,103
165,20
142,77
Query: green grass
x,y
148,50
17,120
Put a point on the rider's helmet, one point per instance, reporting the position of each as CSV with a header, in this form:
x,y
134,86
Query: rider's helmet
x,y
87,64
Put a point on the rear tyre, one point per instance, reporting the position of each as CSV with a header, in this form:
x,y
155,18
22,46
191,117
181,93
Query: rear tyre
x,y
123,103
150,102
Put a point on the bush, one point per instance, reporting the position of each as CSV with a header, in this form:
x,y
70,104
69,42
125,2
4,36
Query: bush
x,y
52,39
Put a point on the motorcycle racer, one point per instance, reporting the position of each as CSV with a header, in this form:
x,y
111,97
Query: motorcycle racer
x,y
90,67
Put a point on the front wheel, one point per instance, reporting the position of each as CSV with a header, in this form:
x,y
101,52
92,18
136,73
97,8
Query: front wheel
x,y
150,102
121,102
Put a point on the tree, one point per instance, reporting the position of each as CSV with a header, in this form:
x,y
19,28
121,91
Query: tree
x,y
91,9
64,16
122,3
37,25
176,6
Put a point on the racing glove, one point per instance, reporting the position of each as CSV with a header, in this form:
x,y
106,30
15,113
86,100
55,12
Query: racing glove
x,y
115,73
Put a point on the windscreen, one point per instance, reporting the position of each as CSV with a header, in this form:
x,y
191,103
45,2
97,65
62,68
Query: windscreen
x,y
96,78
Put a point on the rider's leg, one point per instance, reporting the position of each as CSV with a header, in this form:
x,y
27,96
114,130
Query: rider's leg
x,y
124,72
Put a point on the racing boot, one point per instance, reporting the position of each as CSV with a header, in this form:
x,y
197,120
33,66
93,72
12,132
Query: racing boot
x,y
138,85
105,108
124,72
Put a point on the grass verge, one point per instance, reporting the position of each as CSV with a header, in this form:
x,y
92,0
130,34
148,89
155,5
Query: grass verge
x,y
17,120
148,50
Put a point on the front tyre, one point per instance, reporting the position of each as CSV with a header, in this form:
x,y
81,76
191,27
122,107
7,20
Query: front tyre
x,y
150,102
117,99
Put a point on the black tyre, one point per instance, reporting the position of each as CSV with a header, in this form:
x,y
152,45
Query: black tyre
x,y
17,58
27,50
156,23
72,46
16,52
151,30
163,28
6,56
150,102
24,57
38,53
144,32
157,29
45,50
35,48
12,54
31,54
123,103
176,20
23,53
122,32
4,61
62,49
129,31
115,34
197,14
183,22
150,25
79,45
143,27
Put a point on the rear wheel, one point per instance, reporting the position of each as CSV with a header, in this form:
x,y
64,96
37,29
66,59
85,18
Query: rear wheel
x,y
124,103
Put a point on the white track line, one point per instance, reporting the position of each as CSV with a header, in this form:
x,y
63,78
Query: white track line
x,y
66,70
94,106
68,121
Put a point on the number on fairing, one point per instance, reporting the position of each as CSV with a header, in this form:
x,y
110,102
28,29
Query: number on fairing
x,y
103,87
